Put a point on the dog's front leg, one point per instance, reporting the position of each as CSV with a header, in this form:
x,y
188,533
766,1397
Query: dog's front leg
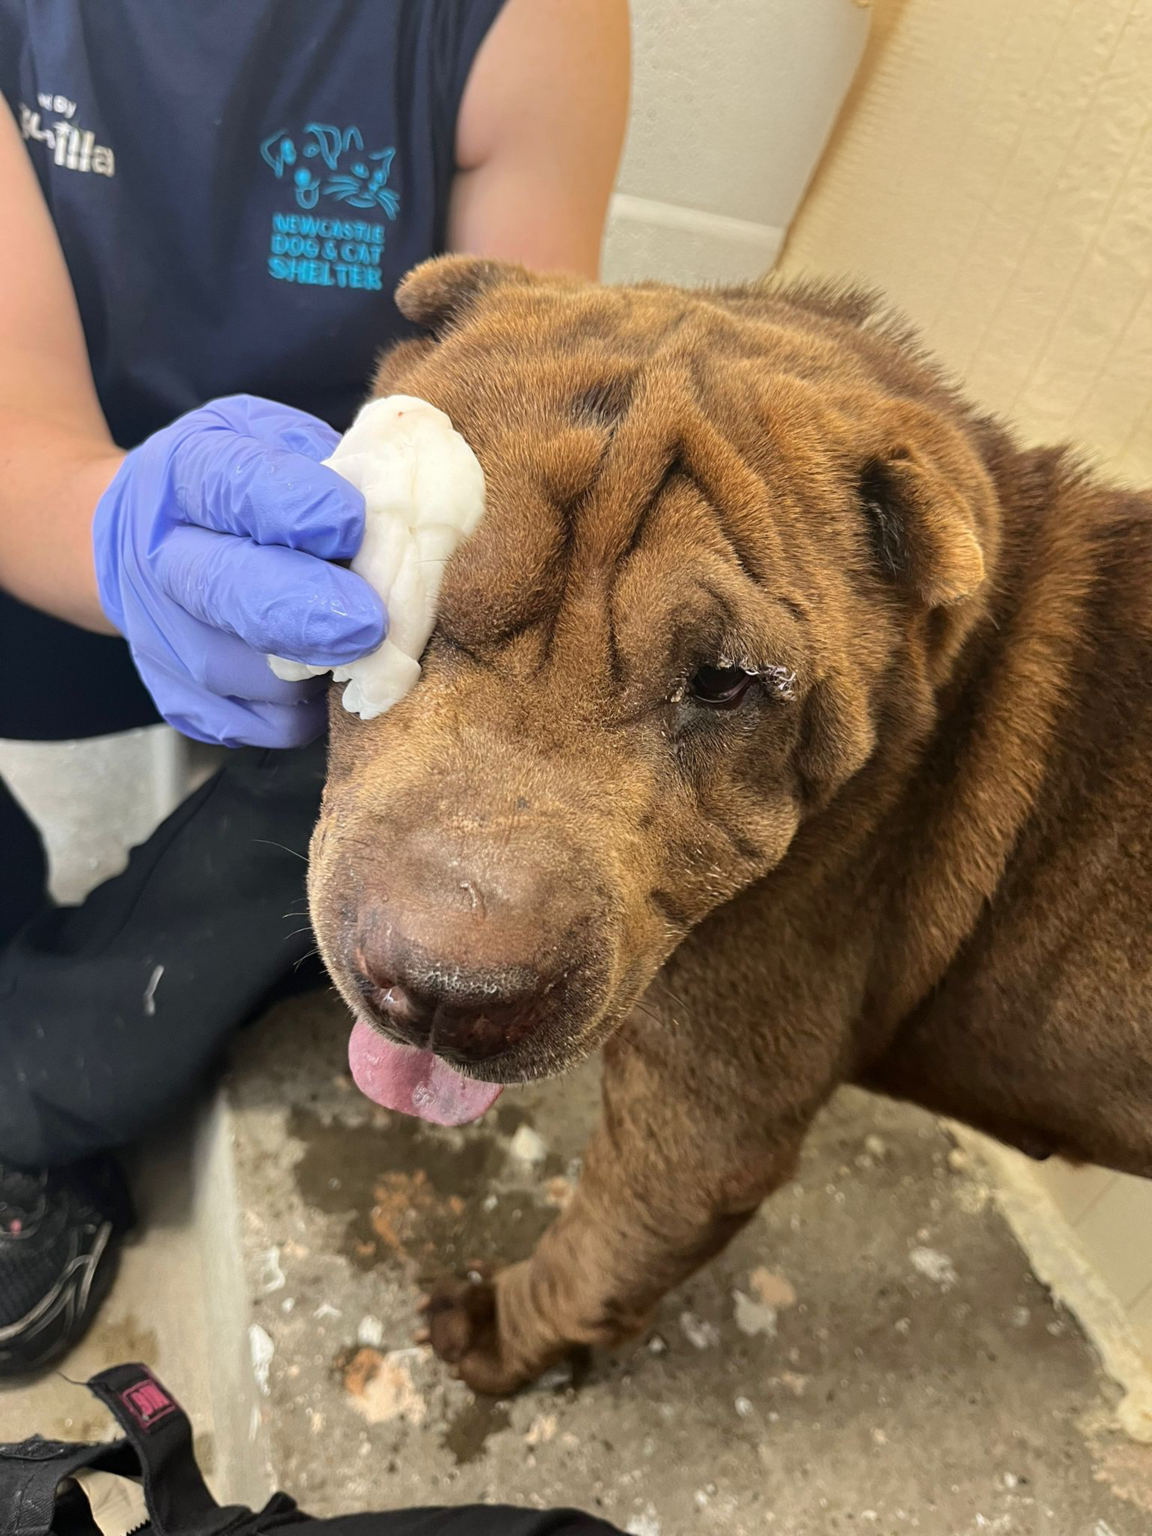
x,y
681,1160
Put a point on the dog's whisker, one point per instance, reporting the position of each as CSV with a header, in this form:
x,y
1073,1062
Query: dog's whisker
x,y
670,993
283,847
657,1018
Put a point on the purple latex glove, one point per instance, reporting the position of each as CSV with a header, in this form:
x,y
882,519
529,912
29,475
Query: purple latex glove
x,y
213,547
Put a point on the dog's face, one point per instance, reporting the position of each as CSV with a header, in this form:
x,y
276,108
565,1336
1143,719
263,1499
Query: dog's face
x,y
727,544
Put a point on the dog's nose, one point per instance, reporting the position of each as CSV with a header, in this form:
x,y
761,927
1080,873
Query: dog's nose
x,y
462,1019
463,951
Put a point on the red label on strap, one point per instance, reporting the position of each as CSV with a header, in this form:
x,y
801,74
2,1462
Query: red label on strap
x,y
148,1403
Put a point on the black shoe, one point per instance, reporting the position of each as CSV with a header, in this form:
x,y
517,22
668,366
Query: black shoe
x,y
60,1237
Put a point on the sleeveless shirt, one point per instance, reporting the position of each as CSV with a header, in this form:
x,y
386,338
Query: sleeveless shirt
x,y
238,185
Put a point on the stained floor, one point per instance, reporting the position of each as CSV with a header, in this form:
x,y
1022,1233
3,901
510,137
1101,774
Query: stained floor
x,y
871,1355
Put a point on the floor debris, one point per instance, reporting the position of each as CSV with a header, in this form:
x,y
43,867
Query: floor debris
x,y
370,1332
753,1317
381,1388
269,1274
700,1334
934,1266
262,1350
542,1429
645,1524
882,1390
527,1146
773,1290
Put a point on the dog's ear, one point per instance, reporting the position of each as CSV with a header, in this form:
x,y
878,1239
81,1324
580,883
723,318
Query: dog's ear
x,y
927,499
437,292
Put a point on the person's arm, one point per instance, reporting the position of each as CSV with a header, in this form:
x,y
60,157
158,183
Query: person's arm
x,y
56,455
539,134
219,539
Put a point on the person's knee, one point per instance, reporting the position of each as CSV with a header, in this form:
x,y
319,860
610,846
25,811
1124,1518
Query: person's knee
x,y
55,1111
30,1133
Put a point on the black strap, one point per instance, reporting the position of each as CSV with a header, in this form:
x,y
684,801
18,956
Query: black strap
x,y
157,1450
158,1430
31,1472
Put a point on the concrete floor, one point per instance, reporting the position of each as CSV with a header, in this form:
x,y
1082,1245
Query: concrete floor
x,y
871,1356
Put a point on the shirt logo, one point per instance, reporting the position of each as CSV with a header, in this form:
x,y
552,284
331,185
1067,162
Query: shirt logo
x,y
329,162
356,178
74,148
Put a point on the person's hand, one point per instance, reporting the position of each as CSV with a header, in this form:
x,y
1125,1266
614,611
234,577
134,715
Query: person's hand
x,y
213,549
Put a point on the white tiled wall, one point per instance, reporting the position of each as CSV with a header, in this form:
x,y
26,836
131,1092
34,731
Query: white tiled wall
x,y
732,103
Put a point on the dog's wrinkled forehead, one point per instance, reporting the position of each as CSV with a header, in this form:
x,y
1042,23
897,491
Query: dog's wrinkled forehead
x,y
615,423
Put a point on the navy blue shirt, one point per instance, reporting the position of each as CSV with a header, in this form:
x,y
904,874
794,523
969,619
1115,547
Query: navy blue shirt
x,y
238,185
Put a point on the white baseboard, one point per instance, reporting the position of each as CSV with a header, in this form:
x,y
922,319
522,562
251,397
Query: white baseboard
x,y
672,243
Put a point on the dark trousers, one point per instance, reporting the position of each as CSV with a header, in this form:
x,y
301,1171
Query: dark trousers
x,y
112,1011
465,1520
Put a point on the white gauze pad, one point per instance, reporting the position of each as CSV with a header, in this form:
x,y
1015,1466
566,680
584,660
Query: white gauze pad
x,y
423,491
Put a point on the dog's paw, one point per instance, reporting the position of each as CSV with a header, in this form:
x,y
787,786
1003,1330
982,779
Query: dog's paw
x,y
462,1326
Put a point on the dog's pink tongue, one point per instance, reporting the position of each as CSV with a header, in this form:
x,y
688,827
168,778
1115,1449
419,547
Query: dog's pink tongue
x,y
415,1082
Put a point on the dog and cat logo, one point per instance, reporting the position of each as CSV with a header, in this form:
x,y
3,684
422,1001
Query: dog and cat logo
x,y
330,163
307,245
355,178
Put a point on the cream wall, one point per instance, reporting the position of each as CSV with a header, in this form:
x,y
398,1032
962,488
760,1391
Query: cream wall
x,y
992,172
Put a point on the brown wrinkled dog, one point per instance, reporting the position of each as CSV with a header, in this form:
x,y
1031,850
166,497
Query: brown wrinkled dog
x,y
779,685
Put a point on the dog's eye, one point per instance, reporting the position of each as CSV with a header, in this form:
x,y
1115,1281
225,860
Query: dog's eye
x,y
720,687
